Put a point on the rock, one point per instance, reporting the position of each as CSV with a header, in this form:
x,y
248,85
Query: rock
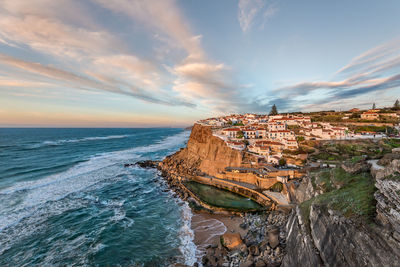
x,y
232,241
147,164
273,237
254,250
260,263
247,263
333,240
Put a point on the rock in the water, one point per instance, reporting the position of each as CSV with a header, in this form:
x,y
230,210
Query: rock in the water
x,y
147,164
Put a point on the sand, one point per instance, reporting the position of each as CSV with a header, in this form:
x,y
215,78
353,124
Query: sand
x,y
209,227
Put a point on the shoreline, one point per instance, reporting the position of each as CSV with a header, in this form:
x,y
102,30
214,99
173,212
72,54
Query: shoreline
x,y
207,230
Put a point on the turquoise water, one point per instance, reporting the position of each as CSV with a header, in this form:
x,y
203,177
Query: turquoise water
x,y
67,200
222,198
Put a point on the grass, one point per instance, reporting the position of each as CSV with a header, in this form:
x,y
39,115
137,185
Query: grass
x,y
393,143
393,177
354,199
356,159
278,187
353,150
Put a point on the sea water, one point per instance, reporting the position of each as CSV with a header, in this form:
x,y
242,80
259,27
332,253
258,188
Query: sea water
x,y
66,199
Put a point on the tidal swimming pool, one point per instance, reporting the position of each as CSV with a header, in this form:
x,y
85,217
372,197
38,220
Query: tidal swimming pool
x,y
222,198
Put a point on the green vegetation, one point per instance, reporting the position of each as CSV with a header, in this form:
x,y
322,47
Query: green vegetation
x,y
240,135
396,105
351,194
328,118
356,159
274,110
370,128
393,143
354,151
393,177
278,187
300,138
282,162
300,150
238,124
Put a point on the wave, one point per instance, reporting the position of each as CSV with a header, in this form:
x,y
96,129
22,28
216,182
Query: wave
x,y
186,236
98,168
63,141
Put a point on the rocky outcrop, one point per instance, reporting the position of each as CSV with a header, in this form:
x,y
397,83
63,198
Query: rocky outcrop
x,y
388,197
388,204
330,239
204,153
300,191
355,168
302,251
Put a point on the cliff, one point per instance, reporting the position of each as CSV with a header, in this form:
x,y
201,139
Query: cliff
x,y
204,153
361,231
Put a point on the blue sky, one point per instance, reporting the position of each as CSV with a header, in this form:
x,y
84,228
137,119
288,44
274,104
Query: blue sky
x,y
121,63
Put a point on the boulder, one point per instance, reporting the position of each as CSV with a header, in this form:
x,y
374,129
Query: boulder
x,y
232,241
273,236
254,250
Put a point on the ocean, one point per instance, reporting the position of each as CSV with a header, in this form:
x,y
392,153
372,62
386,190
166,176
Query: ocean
x,y
66,199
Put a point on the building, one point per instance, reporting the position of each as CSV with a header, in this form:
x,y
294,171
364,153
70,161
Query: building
x,y
368,115
231,132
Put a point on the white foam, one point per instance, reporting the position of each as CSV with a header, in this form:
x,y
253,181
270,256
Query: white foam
x,y
91,138
83,175
186,236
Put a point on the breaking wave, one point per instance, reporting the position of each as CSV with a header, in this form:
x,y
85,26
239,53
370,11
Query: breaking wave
x,y
85,139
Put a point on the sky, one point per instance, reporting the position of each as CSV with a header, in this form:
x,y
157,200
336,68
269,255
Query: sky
x,y
168,63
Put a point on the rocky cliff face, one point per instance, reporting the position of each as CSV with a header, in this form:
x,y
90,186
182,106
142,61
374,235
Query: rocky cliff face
x,y
204,153
332,240
388,197
322,236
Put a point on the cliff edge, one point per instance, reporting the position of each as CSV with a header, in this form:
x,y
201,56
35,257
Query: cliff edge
x,y
204,154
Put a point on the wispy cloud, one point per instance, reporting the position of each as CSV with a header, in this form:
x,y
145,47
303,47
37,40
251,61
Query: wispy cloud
x,y
255,11
89,56
198,78
375,70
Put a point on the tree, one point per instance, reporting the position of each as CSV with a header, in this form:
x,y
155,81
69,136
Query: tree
x,y
396,105
282,162
373,106
274,110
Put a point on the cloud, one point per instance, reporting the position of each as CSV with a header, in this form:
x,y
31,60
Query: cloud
x,y
69,78
77,49
69,35
251,11
376,70
197,77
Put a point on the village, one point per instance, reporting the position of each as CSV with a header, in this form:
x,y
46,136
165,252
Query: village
x,y
270,135
276,147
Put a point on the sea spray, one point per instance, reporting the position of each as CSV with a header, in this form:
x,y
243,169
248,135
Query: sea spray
x,y
186,235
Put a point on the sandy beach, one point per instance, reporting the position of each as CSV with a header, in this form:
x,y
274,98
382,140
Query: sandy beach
x,y
209,227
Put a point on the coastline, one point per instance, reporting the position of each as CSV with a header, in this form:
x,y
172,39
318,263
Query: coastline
x,y
207,230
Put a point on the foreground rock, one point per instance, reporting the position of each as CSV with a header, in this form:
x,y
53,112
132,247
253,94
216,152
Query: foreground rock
x,y
262,245
232,241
